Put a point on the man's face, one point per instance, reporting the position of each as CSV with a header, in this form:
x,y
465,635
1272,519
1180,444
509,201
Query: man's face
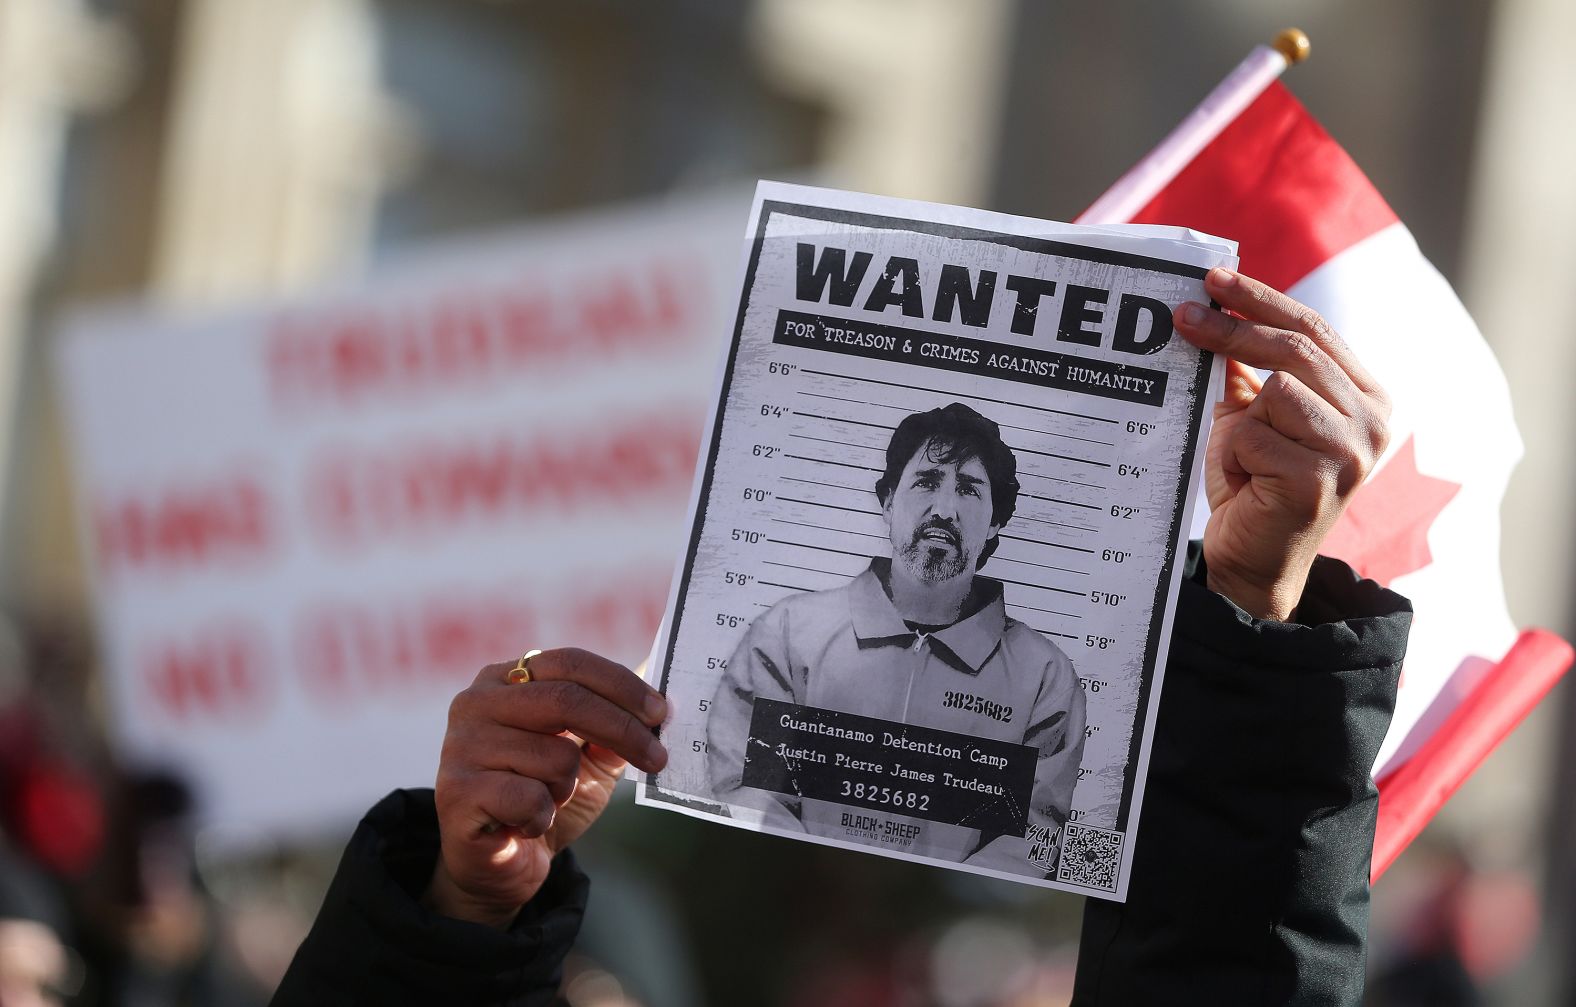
x,y
939,516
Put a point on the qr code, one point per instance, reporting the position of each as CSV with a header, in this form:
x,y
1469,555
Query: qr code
x,y
1090,856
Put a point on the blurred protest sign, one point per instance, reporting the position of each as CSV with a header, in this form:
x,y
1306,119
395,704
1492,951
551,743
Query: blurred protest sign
x,y
311,523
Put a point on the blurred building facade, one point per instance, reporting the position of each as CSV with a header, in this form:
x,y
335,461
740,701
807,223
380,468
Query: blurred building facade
x,y
202,153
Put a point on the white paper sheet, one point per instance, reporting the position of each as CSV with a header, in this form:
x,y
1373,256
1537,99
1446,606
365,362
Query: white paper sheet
x,y
838,668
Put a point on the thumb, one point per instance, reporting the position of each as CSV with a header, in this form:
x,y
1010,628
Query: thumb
x,y
1242,386
601,764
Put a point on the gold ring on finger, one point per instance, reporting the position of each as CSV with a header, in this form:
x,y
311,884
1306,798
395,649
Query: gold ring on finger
x,y
521,672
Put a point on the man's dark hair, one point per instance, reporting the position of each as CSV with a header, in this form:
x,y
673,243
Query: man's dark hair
x,y
952,435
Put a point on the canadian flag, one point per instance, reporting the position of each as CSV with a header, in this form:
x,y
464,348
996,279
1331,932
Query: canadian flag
x,y
1253,165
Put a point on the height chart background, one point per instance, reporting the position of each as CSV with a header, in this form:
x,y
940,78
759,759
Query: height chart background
x,y
1108,442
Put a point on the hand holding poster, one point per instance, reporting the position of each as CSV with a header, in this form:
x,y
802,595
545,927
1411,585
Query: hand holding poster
x,y
928,590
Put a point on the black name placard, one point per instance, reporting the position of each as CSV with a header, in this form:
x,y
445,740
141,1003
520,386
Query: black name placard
x,y
939,776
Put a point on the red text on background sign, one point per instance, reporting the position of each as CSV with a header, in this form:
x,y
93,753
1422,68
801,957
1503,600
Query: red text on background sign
x,y
222,671
346,653
345,649
362,354
357,497
222,520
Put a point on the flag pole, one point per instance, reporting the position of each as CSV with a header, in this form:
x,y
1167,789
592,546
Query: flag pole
x,y
1133,191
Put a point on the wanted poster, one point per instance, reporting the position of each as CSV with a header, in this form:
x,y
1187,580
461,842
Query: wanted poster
x,y
934,545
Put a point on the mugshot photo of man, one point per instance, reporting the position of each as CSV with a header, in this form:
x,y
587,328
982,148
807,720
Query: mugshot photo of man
x,y
919,639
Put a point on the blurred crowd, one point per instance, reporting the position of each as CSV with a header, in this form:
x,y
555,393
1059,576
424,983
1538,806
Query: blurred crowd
x,y
101,899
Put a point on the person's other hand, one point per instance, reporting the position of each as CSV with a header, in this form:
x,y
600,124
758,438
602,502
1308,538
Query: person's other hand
x,y
527,768
1286,454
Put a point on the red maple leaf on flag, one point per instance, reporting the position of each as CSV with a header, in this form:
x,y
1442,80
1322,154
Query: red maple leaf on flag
x,y
1384,532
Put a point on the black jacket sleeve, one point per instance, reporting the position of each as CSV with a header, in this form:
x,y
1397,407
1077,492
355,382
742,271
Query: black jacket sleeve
x,y
1249,882
373,942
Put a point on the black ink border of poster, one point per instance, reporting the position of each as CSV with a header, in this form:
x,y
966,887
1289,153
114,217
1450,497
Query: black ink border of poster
x,y
1042,246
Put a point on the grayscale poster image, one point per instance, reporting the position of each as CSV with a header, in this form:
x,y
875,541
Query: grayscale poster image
x,y
924,606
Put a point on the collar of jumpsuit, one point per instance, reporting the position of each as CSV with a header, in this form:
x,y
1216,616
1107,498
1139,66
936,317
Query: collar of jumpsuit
x,y
966,644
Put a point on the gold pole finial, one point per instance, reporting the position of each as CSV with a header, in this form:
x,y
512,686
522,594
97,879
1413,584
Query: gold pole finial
x,y
1293,44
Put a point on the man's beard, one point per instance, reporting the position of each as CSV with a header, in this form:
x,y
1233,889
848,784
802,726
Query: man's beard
x,y
931,560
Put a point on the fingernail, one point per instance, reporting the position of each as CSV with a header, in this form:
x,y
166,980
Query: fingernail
x,y
656,707
656,755
1222,277
1193,314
